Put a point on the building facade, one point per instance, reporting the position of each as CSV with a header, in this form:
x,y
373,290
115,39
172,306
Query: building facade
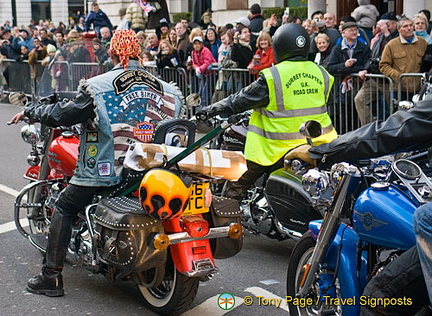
x,y
224,11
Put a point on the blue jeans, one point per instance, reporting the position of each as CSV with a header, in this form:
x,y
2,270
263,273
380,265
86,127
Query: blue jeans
x,y
423,232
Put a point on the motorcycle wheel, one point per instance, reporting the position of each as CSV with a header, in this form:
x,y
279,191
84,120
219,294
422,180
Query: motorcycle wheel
x,y
174,295
300,256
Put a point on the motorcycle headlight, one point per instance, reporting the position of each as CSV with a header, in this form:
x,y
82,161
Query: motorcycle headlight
x,y
314,182
30,134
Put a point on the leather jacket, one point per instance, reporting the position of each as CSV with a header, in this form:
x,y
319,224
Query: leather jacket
x,y
402,131
254,96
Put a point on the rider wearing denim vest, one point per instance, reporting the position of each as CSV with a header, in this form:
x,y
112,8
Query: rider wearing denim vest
x,y
114,109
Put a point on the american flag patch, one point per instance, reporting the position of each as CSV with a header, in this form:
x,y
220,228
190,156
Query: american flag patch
x,y
144,131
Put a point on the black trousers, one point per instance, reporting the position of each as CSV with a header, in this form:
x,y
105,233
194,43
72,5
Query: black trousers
x,y
71,201
254,171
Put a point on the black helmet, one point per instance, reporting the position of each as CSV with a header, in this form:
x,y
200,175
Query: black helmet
x,y
290,40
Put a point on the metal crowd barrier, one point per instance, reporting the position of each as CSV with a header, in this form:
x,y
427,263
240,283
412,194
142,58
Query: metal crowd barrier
x,y
354,102
408,85
379,96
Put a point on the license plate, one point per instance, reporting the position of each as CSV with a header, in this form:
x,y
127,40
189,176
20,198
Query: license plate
x,y
196,203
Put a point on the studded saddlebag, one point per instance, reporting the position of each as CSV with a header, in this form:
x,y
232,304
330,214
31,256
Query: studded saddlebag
x,y
126,234
223,212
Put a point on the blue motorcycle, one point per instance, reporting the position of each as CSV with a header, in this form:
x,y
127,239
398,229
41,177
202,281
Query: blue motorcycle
x,y
367,224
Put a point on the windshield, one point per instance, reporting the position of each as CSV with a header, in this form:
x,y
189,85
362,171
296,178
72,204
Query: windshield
x,y
62,70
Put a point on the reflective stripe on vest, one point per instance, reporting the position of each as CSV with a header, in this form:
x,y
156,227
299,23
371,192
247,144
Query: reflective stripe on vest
x,y
297,93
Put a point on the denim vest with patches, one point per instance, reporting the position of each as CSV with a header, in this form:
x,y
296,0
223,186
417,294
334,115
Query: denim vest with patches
x,y
126,103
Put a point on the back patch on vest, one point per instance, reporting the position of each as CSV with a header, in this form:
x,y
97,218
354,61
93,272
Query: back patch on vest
x,y
127,79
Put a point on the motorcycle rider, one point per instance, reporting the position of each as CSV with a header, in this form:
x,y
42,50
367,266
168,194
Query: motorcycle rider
x,y
110,107
402,131
283,97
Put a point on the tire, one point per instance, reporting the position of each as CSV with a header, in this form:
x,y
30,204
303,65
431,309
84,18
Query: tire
x,y
299,257
174,295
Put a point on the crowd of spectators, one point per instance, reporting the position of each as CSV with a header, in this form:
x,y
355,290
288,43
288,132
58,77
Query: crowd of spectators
x,y
357,44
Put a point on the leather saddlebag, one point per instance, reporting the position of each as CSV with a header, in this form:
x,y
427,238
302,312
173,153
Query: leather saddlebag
x,y
126,233
223,212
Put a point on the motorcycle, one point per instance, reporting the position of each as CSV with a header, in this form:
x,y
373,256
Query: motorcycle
x,y
367,224
167,253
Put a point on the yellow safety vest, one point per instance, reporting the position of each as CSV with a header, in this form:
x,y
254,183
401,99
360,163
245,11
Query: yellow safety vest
x,y
298,92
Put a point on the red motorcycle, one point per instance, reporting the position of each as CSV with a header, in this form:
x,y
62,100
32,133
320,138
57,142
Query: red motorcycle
x,y
165,248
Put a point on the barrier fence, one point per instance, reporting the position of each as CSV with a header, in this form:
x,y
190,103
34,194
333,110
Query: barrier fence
x,y
353,101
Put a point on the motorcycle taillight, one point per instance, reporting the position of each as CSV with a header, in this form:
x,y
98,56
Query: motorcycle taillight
x,y
195,226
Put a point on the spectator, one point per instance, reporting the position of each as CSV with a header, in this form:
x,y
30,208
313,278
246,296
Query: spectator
x,y
373,91
6,48
162,30
148,59
182,38
81,25
44,38
172,37
322,42
153,44
242,52
38,52
310,27
185,22
330,20
256,20
202,58
168,56
421,25
350,56
292,19
136,17
73,26
73,35
428,16
403,55
363,37
59,73
24,54
161,13
365,15
332,33
100,53
221,86
60,39
142,41
264,56
61,28
98,19
196,31
105,35
211,40
123,25
23,38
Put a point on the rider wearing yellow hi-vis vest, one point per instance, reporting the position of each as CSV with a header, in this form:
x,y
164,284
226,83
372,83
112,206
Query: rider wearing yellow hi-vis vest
x,y
283,97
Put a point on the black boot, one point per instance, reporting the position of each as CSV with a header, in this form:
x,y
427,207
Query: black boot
x,y
49,282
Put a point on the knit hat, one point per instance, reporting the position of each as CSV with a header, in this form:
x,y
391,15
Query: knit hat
x,y
163,22
124,44
51,48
